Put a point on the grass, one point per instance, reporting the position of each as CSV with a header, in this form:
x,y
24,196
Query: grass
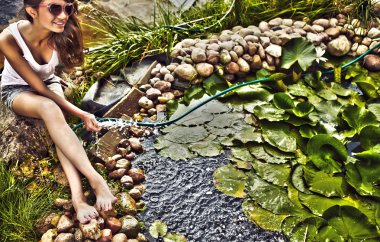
x,y
21,208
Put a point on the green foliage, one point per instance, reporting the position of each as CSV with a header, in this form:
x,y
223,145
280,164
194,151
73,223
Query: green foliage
x,y
300,51
21,208
159,229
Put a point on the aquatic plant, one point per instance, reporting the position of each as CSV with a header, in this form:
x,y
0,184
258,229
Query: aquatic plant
x,y
296,159
20,207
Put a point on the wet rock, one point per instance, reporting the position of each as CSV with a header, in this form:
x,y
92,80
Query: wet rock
x,y
287,22
212,57
146,102
123,163
325,23
339,46
106,235
373,33
168,95
239,50
141,238
361,31
224,37
198,55
120,238
243,65
140,187
317,28
299,24
113,224
188,42
91,230
78,235
169,77
256,62
65,237
63,203
140,204
48,222
214,47
64,224
153,93
186,71
227,45
108,214
110,164
161,108
135,193
372,62
274,50
117,174
332,32
49,236
234,56
354,47
137,175
367,41
126,179
316,39
361,49
265,41
204,69
135,144
275,22
163,86
129,226
232,68
126,204
122,151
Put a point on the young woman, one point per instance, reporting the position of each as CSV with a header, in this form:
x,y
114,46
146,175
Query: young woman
x,y
32,48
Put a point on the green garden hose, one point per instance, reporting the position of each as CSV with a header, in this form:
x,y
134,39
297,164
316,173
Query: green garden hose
x,y
165,123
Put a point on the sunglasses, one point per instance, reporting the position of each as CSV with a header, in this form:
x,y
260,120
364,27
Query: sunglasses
x,y
56,8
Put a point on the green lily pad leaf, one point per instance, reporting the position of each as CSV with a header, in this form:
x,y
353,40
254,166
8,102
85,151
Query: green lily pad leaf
x,y
241,153
260,152
315,100
293,195
371,155
262,73
296,121
254,93
300,89
158,228
369,137
329,110
328,233
216,107
325,152
171,106
302,109
298,180
177,152
283,101
313,79
193,93
161,142
248,134
308,131
367,85
261,217
195,118
186,135
307,230
338,89
250,107
270,113
325,184
318,204
298,50
230,181
351,223
327,94
279,135
206,148
242,164
358,118
221,132
214,84
289,224
271,197
355,70
174,237
356,177
375,109
277,174
226,120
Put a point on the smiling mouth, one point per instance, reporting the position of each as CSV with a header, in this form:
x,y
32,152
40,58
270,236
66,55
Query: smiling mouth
x,y
59,24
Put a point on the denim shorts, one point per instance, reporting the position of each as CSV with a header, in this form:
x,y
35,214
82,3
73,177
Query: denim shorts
x,y
9,92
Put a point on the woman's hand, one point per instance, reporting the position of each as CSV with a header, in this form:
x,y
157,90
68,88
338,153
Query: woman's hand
x,y
90,122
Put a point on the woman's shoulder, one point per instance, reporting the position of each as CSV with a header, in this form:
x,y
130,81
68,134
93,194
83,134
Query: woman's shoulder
x,y
7,41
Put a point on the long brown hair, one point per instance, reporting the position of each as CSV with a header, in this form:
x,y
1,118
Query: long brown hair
x,y
69,43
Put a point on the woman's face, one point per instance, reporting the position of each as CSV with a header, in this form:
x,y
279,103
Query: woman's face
x,y
53,14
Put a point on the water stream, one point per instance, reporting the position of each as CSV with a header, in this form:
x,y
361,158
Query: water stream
x,y
182,194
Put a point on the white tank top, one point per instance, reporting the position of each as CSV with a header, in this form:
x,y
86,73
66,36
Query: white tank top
x,y
45,72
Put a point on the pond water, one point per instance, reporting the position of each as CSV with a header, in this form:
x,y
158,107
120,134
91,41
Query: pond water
x,y
182,195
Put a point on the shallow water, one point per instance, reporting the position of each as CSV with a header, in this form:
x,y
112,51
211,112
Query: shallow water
x,y
182,194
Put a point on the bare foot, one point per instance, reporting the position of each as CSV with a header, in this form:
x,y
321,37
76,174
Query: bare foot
x,y
104,197
85,212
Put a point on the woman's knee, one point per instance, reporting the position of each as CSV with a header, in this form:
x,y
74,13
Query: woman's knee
x,y
48,109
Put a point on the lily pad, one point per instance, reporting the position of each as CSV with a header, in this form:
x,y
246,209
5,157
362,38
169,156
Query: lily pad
x,y
206,148
270,113
226,120
186,135
277,174
230,181
260,152
338,89
193,93
158,228
302,109
375,109
358,118
177,152
351,223
298,50
326,152
369,137
254,93
214,84
329,110
300,89
283,101
279,135
261,217
298,180
174,237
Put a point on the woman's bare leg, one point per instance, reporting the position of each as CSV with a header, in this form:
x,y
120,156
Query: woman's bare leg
x,y
35,106
84,211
